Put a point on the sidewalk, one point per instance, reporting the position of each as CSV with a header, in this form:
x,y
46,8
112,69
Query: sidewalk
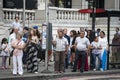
x,y
7,75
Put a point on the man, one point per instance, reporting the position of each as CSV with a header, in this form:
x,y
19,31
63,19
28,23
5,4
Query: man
x,y
16,23
25,39
67,59
61,48
82,45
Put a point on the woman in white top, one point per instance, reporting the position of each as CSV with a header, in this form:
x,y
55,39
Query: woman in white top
x,y
104,44
96,47
18,46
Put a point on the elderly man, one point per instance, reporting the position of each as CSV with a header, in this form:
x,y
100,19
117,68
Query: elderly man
x,y
82,46
61,48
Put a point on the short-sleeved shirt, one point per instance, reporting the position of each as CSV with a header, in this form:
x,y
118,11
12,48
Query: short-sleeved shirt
x,y
103,42
96,45
61,44
82,43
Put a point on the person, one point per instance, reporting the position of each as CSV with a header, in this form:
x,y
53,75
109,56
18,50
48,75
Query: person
x,y
96,47
116,49
25,39
39,43
32,64
67,59
97,33
61,49
18,46
82,45
11,38
73,35
4,52
17,24
104,44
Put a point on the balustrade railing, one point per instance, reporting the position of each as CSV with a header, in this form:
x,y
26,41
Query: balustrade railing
x,y
66,14
9,14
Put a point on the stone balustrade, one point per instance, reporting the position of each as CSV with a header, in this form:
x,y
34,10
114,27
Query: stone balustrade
x,y
65,16
9,14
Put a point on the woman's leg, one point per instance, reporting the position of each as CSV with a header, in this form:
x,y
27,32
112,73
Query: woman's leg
x,y
35,62
19,61
100,60
14,64
94,60
2,64
5,61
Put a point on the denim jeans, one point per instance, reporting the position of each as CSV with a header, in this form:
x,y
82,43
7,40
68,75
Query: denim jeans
x,y
99,59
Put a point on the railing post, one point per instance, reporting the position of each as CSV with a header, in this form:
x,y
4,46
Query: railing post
x,y
1,11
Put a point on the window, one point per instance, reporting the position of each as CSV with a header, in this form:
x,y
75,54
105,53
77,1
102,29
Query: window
x,y
30,4
63,3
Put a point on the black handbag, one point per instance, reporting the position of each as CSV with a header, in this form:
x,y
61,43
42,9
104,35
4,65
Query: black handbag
x,y
11,53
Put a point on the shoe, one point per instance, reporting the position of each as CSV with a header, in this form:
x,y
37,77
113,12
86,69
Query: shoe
x,y
35,72
94,69
81,71
14,74
101,69
73,70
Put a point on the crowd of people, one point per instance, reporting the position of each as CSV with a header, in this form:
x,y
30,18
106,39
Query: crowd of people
x,y
73,50
24,46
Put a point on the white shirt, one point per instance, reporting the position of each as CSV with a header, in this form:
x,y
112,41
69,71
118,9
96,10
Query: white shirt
x,y
17,25
11,38
61,44
103,42
96,45
82,43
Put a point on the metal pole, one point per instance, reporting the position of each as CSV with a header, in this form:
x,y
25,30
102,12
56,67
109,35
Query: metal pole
x,y
24,4
108,37
46,55
47,40
93,15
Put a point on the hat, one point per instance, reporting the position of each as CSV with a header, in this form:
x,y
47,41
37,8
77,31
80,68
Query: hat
x,y
35,27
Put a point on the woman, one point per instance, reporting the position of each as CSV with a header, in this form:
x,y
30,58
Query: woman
x,y
104,44
73,35
32,64
18,46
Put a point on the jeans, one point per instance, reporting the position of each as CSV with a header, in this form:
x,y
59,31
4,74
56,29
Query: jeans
x,y
77,57
99,59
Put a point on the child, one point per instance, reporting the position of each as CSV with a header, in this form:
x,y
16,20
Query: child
x,y
4,52
96,52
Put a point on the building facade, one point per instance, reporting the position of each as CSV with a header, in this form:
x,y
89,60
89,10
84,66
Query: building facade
x,y
62,13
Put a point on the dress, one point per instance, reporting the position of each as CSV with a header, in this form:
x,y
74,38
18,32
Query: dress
x,y
5,50
32,64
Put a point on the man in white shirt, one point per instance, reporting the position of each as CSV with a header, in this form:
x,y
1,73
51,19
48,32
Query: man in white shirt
x,y
82,46
61,48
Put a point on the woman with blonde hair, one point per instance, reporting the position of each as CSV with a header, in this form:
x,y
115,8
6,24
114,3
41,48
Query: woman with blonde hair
x,y
18,46
32,64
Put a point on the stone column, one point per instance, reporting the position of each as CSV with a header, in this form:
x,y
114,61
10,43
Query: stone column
x,y
1,11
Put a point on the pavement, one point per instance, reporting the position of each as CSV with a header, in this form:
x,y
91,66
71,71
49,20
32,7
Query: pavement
x,y
7,74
